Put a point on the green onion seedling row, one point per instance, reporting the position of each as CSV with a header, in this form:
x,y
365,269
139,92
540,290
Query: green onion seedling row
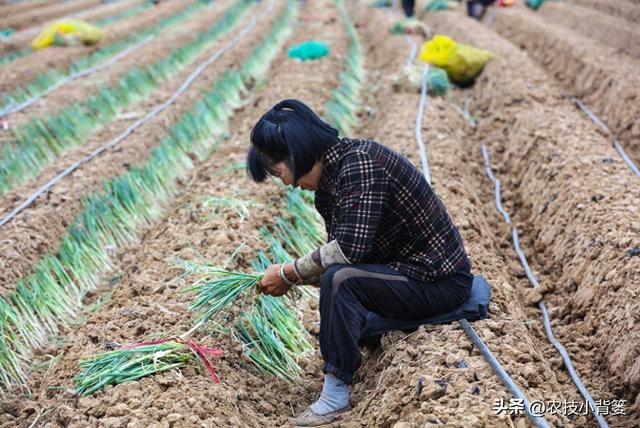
x,y
53,294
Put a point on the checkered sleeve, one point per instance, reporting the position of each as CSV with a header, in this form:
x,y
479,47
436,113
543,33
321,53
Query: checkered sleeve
x,y
363,187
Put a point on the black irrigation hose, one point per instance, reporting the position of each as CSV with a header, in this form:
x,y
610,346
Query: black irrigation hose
x,y
537,420
419,117
595,119
156,110
491,17
534,281
516,242
523,260
77,75
414,49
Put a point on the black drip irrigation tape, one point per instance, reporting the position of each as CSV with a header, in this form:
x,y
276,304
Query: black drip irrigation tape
x,y
491,17
523,260
10,109
532,278
414,49
541,304
130,130
537,420
419,117
516,242
495,365
616,144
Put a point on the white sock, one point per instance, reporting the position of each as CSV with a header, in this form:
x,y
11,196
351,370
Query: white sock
x,y
334,396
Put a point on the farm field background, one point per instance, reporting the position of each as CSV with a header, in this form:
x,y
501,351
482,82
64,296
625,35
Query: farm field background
x,y
96,261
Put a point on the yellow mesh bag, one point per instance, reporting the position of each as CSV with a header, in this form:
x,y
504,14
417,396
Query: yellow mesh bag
x,y
83,31
461,62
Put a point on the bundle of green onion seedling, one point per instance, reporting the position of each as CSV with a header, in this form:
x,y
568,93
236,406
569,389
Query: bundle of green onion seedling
x,y
125,365
269,328
240,206
217,289
438,83
112,216
42,140
273,338
341,110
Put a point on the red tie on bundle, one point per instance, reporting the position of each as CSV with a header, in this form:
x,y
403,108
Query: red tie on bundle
x,y
201,351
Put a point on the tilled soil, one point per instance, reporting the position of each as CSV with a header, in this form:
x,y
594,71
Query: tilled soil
x,y
39,14
617,8
606,80
17,8
23,70
574,202
46,221
81,89
22,38
617,33
148,289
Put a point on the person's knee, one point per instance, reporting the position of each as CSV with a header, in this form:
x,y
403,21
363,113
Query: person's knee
x,y
332,280
329,276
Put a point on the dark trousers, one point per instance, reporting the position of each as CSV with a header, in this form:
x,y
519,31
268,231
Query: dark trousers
x,y
408,6
348,292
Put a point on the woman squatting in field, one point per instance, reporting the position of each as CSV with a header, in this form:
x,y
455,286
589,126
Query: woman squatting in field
x,y
391,248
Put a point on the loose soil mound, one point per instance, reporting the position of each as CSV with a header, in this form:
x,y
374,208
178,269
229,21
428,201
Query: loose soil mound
x,y
43,13
14,9
620,9
607,81
574,204
576,207
616,33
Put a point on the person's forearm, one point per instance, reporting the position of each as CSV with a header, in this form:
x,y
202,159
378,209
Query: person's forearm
x,y
315,263
289,272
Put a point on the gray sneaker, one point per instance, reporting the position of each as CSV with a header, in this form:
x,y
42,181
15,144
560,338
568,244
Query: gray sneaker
x,y
309,419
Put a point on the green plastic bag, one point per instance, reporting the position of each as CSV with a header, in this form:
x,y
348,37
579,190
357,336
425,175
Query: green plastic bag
x,y
410,26
438,82
436,5
6,32
308,50
534,4
410,80
382,3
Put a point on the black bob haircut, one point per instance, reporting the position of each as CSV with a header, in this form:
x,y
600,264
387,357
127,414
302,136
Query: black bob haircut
x,y
290,132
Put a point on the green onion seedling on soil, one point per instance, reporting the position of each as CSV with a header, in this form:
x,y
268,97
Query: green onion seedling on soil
x,y
108,218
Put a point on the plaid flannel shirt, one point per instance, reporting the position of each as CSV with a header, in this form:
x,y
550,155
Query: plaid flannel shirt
x,y
381,210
